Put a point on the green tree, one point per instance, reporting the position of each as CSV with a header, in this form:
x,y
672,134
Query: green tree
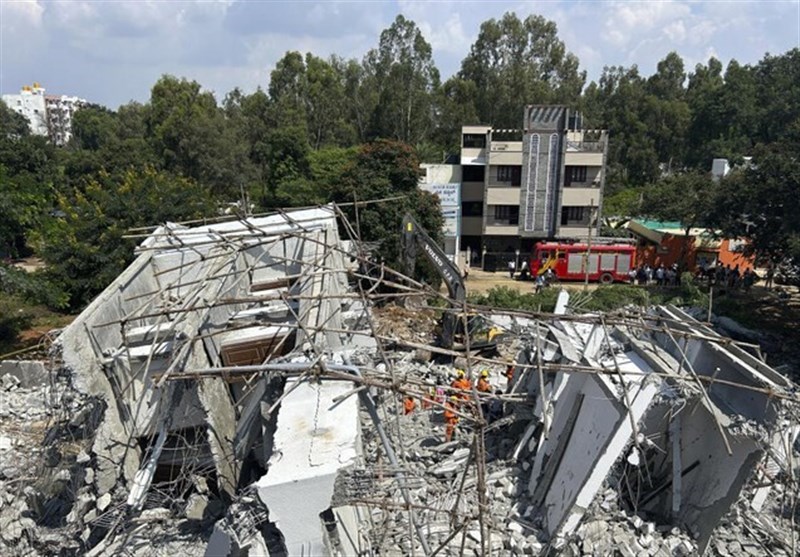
x,y
27,172
310,93
667,113
288,89
24,202
687,198
703,95
777,80
405,77
760,202
386,169
12,124
514,63
618,102
85,250
324,169
93,127
361,94
326,107
455,107
191,137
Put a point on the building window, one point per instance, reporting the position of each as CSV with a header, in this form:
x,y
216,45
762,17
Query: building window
x,y
472,173
574,216
576,174
472,208
506,214
474,140
511,174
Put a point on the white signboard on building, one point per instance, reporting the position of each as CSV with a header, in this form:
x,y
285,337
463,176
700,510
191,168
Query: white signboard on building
x,y
449,194
450,198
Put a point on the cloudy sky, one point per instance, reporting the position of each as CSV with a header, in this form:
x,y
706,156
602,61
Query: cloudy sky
x,y
112,51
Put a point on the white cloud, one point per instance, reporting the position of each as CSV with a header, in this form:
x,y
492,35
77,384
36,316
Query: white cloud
x,y
625,21
21,15
113,51
676,31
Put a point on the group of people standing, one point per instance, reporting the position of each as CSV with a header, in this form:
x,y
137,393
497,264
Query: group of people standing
x,y
730,277
725,276
661,275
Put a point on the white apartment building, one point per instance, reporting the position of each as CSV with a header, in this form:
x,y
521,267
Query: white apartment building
x,y
60,111
49,115
30,103
543,181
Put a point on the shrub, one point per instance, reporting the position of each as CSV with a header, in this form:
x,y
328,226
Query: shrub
x,y
510,298
14,317
31,287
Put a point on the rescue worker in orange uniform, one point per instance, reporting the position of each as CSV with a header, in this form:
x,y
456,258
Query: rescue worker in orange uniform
x,y
450,418
409,404
427,400
485,387
483,383
510,373
462,384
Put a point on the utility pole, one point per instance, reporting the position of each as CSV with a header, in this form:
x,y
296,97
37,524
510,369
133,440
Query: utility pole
x,y
588,253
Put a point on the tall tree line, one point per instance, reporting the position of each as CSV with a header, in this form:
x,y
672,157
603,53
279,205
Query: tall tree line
x,y
304,137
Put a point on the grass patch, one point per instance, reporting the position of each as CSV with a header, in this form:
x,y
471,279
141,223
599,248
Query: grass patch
x,y
603,298
510,298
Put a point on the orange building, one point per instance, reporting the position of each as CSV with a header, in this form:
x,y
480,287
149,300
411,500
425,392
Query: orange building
x,y
665,243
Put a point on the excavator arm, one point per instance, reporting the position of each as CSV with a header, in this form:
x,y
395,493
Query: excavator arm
x,y
414,238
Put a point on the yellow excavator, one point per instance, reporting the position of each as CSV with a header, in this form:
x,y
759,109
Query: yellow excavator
x,y
483,336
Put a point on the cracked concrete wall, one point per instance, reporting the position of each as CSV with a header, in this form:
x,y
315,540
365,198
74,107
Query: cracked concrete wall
x,y
314,440
711,359
28,373
320,313
221,432
590,431
116,455
712,479
595,414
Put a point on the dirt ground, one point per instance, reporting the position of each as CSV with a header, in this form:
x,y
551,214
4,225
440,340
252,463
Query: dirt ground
x,y
479,282
28,264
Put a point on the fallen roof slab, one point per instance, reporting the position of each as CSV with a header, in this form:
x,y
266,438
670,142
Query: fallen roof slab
x,y
316,437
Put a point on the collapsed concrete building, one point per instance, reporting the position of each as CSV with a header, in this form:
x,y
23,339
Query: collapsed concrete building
x,y
238,382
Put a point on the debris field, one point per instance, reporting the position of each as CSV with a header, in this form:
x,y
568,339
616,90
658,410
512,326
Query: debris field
x,y
261,387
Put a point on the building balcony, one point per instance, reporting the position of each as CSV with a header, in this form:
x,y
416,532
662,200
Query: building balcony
x,y
584,158
473,155
500,229
581,197
586,146
497,195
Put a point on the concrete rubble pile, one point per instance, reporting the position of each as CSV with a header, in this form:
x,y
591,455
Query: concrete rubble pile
x,y
233,393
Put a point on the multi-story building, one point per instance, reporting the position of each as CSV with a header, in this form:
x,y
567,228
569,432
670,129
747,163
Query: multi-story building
x,y
60,110
49,115
31,104
543,181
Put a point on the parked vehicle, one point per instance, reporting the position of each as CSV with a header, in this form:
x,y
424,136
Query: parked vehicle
x,y
604,262
787,273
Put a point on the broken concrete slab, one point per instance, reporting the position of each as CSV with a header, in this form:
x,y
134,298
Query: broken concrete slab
x,y
314,440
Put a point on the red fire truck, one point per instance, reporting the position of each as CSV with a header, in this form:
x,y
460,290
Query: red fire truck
x,y
606,262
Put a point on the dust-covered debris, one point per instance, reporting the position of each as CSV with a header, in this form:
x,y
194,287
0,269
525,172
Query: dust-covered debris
x,y
251,387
